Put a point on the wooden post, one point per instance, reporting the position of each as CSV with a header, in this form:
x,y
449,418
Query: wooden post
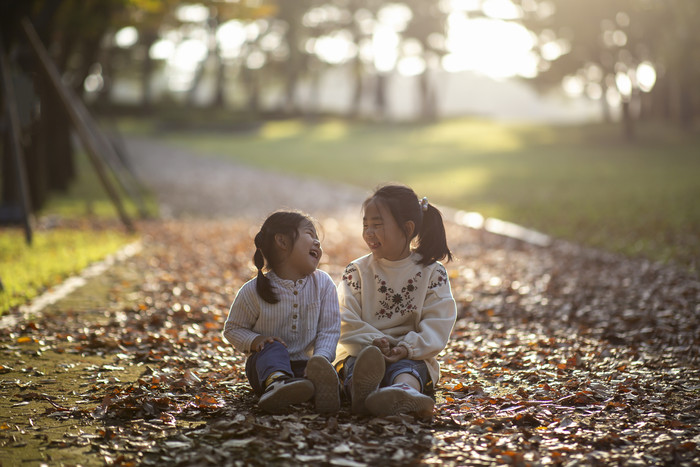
x,y
76,112
14,131
114,162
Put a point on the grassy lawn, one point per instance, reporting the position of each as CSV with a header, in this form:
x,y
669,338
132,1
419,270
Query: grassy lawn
x,y
27,271
85,231
580,183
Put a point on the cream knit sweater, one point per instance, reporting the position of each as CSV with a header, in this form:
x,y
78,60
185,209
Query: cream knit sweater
x,y
409,304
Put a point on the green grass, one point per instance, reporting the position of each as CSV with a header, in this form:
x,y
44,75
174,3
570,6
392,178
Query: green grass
x,y
579,183
88,231
27,270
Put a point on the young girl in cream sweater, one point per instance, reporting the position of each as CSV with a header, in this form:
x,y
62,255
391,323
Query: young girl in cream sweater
x,y
397,309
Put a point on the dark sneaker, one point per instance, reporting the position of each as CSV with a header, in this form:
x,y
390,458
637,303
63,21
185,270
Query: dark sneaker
x,y
326,384
398,399
366,376
282,393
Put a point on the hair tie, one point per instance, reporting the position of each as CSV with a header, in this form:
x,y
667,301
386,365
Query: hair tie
x,y
423,204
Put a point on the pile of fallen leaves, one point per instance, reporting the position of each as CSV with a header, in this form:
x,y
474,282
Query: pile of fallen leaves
x,y
560,355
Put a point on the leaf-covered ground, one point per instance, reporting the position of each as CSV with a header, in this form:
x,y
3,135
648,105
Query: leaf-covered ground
x,y
559,356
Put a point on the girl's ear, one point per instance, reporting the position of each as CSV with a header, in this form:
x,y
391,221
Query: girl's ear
x,y
409,227
281,241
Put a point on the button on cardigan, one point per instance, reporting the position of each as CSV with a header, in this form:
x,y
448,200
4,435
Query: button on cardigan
x,y
306,317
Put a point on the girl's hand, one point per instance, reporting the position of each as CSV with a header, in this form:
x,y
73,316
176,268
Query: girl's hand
x,y
396,353
383,344
260,341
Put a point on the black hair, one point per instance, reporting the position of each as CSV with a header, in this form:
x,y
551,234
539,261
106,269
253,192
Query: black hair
x,y
429,231
280,222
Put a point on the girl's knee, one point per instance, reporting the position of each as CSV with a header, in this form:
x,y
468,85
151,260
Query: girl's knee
x,y
274,347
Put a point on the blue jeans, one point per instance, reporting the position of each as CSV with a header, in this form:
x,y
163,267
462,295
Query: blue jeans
x,y
416,368
273,357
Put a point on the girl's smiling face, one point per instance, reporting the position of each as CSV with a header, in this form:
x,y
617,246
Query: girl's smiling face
x,y
384,237
304,256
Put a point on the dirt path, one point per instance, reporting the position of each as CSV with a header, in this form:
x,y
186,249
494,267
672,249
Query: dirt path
x,y
561,354
188,186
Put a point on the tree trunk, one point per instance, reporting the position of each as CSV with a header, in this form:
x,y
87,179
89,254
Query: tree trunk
x,y
428,104
147,73
104,95
685,104
627,121
38,171
10,186
196,82
314,109
292,76
219,101
661,95
605,105
358,90
54,127
250,79
88,58
380,98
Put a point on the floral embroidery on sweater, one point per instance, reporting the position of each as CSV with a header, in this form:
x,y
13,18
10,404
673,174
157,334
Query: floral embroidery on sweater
x,y
441,279
396,302
350,274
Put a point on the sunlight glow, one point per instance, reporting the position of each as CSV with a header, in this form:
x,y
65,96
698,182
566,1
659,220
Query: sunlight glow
x,y
613,97
395,16
501,9
496,48
94,82
188,53
253,30
616,38
231,36
324,14
573,86
594,91
385,42
272,40
624,84
336,48
192,13
126,37
411,66
255,60
162,50
463,5
184,62
646,76
553,50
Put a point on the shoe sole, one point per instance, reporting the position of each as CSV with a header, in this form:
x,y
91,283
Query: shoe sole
x,y
326,384
394,401
366,376
289,394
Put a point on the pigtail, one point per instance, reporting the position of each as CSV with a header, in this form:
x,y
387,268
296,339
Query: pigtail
x,y
432,240
262,284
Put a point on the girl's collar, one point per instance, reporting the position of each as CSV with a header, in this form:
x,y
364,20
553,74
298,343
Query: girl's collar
x,y
287,283
412,258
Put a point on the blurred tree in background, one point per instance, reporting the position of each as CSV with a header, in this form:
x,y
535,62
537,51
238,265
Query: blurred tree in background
x,y
643,55
258,58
